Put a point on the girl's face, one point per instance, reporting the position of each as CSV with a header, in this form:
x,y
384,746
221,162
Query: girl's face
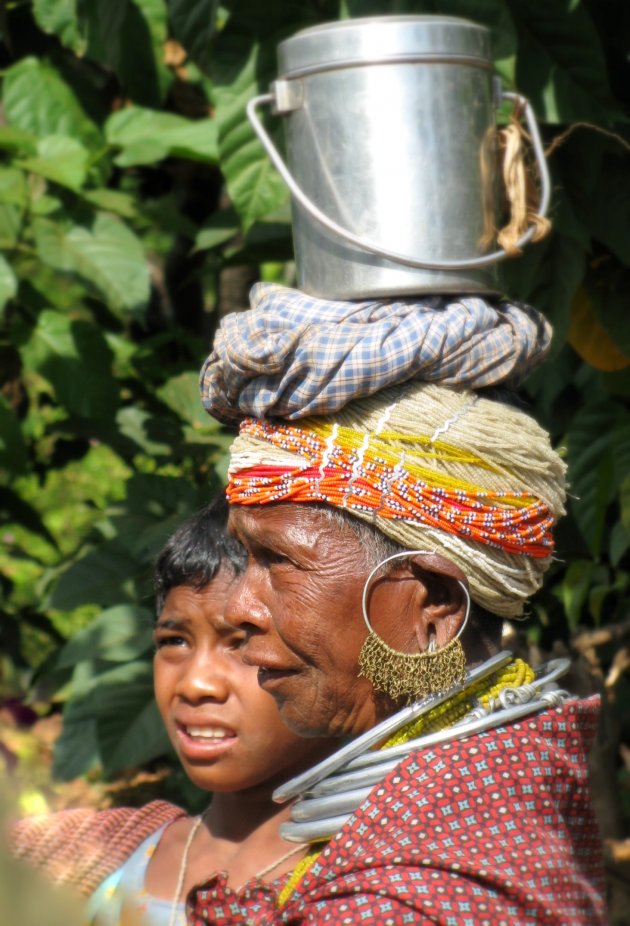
x,y
225,729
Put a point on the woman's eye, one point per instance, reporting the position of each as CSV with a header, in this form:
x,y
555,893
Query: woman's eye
x,y
273,558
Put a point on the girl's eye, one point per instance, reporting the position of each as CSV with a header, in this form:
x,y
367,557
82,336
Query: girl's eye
x,y
236,640
162,640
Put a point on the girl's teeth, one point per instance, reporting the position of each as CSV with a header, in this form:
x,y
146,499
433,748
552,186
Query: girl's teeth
x,y
210,733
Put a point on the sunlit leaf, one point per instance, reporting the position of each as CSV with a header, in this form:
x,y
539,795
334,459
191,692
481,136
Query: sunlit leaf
x,y
589,339
13,188
16,140
122,204
61,159
8,283
574,589
108,255
118,634
37,99
146,136
10,225
60,17
74,357
181,394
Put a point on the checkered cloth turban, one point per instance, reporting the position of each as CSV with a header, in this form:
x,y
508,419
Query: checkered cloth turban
x,y
293,355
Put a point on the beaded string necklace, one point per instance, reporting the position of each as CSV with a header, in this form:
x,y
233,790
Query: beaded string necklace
x,y
483,692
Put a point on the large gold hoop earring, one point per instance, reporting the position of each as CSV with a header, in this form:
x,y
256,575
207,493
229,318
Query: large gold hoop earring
x,y
410,676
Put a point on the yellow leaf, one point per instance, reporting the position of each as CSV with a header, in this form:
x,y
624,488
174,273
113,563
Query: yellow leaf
x,y
588,338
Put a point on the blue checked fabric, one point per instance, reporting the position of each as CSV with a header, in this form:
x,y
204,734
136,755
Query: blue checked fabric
x,y
292,355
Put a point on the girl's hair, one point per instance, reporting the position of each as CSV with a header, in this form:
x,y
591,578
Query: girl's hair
x,y
194,554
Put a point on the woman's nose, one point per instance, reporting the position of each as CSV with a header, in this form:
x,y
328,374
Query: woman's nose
x,y
244,607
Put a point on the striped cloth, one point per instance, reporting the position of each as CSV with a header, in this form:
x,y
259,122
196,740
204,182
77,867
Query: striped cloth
x,y
293,355
82,847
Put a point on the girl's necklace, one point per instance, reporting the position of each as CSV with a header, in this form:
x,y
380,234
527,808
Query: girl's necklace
x,y
183,868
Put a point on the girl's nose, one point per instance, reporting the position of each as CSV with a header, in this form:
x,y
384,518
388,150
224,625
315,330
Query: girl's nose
x,y
206,678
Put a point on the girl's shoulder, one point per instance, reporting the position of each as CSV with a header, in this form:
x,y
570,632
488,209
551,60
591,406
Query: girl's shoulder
x,y
81,847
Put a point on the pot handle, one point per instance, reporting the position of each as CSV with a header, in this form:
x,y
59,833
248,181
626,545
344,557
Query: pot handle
x,y
371,246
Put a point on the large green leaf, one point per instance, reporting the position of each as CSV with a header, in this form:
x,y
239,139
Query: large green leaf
x,y
61,159
13,188
15,140
8,283
118,634
108,256
129,729
131,733
181,394
624,501
15,510
193,23
122,204
560,66
37,99
10,225
254,186
74,357
60,18
547,275
609,298
146,137
574,589
591,469
104,576
76,749
12,446
607,208
127,37
145,430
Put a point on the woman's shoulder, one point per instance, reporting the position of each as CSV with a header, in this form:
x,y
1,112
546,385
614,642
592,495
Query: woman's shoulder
x,y
82,846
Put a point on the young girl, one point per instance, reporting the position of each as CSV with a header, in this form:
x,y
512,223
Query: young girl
x,y
229,738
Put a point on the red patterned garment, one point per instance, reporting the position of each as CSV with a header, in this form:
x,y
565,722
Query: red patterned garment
x,y
495,830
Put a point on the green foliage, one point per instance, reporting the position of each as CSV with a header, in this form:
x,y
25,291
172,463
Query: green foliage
x,y
131,187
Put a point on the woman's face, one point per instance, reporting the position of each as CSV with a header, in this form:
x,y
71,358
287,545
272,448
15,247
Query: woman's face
x,y
299,601
225,729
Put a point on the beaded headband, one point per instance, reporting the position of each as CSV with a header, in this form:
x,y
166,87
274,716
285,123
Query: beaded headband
x,y
358,471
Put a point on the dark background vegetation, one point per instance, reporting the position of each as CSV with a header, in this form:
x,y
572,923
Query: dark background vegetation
x,y
136,207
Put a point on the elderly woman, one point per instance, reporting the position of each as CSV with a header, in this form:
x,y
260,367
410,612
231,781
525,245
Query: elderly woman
x,y
394,512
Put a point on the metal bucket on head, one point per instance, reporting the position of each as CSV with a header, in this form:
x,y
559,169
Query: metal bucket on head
x,y
390,136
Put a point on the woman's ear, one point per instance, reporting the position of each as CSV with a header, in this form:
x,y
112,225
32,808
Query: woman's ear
x,y
422,598
443,603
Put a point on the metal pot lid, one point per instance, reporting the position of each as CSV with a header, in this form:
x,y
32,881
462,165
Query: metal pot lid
x,y
384,39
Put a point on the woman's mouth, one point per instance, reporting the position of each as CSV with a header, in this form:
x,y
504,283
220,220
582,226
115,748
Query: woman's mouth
x,y
269,678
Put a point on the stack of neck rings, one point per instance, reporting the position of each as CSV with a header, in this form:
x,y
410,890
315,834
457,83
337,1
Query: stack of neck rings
x,y
381,409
